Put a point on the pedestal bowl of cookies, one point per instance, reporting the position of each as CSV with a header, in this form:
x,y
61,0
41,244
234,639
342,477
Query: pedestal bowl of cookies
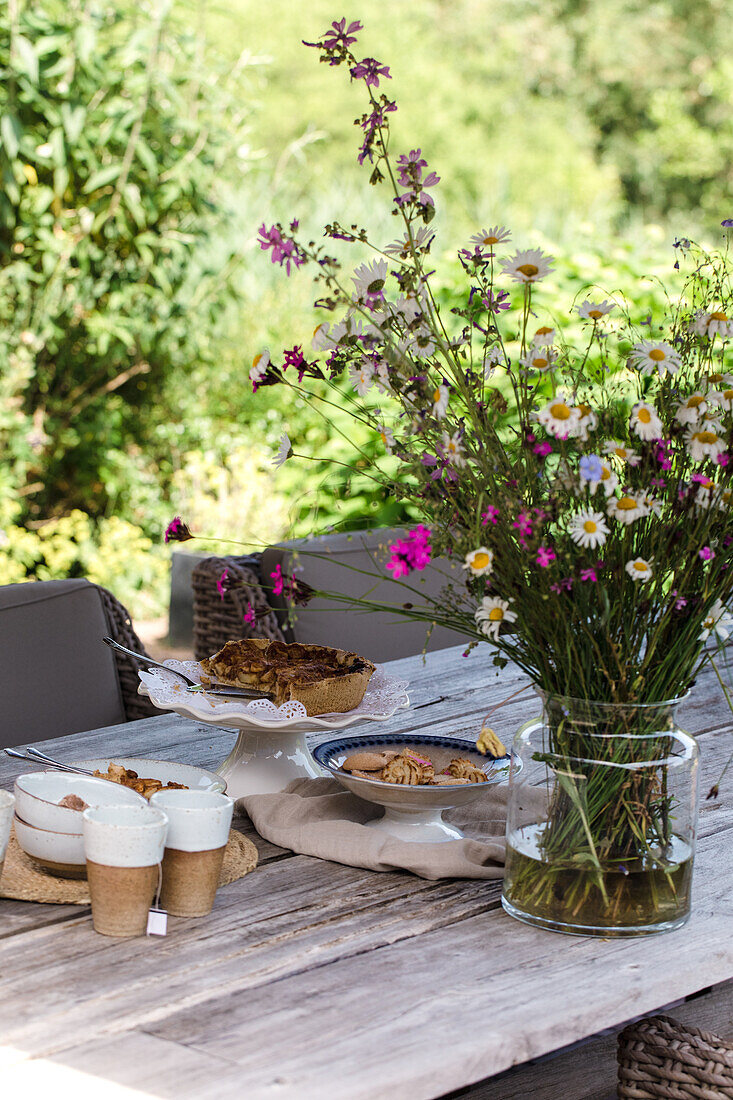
x,y
274,693
414,781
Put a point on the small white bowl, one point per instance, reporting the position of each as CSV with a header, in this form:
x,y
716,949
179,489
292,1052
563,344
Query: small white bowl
x,y
60,854
37,795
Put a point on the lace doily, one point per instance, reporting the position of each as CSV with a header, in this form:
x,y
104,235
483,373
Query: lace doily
x,y
384,695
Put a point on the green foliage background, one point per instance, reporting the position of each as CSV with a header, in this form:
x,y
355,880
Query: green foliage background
x,y
143,144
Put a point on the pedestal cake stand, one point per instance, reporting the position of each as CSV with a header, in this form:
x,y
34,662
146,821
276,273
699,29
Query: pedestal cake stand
x,y
271,749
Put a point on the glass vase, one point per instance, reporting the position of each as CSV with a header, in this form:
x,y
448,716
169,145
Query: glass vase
x,y
601,819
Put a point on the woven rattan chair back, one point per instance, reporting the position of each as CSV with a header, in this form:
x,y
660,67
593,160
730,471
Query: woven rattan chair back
x,y
662,1058
218,619
122,630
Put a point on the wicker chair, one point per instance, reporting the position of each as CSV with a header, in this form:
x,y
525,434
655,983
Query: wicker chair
x,y
661,1058
122,630
218,619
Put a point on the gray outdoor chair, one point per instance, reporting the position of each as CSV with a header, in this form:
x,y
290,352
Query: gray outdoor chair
x,y
381,636
57,675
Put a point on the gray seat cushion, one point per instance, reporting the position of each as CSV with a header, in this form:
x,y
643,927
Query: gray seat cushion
x,y
381,636
57,675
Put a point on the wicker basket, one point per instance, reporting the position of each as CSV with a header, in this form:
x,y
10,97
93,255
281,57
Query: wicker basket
x,y
121,629
217,620
660,1057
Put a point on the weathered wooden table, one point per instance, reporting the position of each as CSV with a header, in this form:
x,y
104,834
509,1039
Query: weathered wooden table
x,y
310,979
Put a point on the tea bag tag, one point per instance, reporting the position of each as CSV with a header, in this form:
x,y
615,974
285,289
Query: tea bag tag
x,y
157,922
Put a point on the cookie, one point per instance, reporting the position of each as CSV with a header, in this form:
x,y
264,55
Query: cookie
x,y
368,761
404,771
461,768
489,744
448,781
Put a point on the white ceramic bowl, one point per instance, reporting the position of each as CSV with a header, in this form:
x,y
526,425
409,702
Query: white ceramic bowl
x,y
196,779
37,795
412,813
61,854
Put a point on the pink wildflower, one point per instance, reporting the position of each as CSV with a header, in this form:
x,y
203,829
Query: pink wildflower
x,y
588,575
545,556
491,515
410,554
707,553
177,531
723,458
249,615
542,450
221,584
278,581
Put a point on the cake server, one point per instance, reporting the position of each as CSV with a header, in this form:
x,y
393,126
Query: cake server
x,y
193,685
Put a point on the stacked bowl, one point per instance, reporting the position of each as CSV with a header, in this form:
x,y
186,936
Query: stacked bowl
x,y
50,833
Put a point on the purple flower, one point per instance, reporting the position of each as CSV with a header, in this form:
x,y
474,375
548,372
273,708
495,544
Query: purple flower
x,y
177,531
588,575
661,453
369,70
707,553
727,224
591,468
545,556
371,124
722,459
221,584
340,36
542,450
284,251
495,303
491,515
294,358
249,616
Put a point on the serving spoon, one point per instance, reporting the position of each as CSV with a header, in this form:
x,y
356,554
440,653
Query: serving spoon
x,y
38,757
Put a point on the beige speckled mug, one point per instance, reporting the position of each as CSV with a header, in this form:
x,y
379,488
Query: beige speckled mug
x,y
123,846
198,830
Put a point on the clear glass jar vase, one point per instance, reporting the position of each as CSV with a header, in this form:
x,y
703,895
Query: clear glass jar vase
x,y
601,819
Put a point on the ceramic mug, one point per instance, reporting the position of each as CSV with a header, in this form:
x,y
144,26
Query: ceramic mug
x,y
198,830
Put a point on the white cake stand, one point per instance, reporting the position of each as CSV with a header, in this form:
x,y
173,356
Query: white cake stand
x,y
270,751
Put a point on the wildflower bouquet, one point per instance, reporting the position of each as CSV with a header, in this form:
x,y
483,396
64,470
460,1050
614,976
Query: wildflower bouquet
x,y
584,488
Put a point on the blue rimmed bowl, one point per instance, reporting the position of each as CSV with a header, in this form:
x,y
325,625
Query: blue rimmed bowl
x,y
412,813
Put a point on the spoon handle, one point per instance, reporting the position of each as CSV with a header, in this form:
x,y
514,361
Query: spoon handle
x,y
147,661
37,757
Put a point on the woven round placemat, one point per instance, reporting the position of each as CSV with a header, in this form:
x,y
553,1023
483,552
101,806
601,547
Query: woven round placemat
x,y
22,881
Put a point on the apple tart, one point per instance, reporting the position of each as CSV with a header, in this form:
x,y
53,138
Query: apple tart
x,y
324,680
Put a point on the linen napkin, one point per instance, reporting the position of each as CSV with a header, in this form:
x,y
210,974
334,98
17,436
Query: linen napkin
x,y
317,817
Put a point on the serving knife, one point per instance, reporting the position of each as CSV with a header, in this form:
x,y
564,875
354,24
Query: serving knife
x,y
193,685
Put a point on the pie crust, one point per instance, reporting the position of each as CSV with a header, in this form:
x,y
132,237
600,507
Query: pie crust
x,y
324,680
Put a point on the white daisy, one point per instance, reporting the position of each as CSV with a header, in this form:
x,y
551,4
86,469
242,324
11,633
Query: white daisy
x,y
588,529
587,421
707,492
621,452
453,449
320,339
348,331
369,279
260,363
407,307
655,356
387,437
608,481
423,343
494,357
645,422
723,399
704,441
479,562
559,418
712,324
361,376
492,613
528,266
421,241
284,452
639,569
440,401
717,380
718,621
594,311
541,359
690,411
627,508
544,335
487,238
381,377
